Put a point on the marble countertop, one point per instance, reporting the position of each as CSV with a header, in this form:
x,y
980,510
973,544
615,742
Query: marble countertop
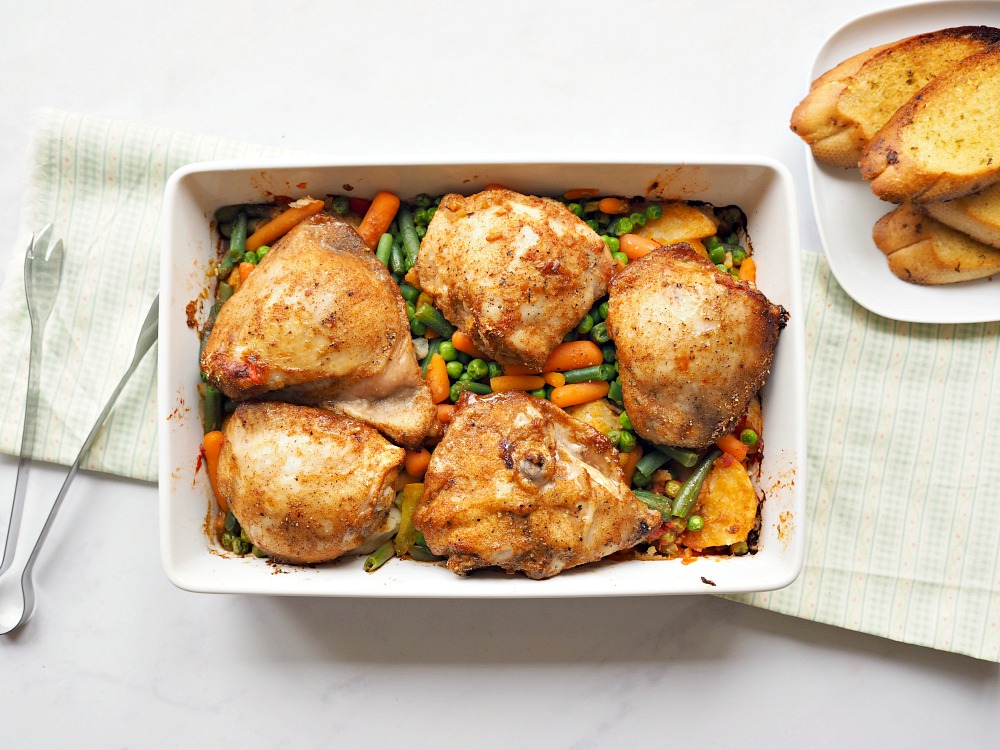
x,y
115,656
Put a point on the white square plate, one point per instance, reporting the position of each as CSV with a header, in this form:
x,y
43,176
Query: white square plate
x,y
845,208
762,188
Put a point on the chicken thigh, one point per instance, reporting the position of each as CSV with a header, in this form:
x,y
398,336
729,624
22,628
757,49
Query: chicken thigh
x,y
515,272
305,484
517,483
694,345
321,322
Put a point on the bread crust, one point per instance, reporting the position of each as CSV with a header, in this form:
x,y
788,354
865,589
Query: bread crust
x,y
921,250
977,215
902,167
848,104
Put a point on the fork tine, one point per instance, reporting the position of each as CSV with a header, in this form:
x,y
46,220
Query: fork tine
x,y
55,252
44,236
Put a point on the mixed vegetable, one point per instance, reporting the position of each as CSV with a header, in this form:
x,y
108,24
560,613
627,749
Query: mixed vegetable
x,y
706,499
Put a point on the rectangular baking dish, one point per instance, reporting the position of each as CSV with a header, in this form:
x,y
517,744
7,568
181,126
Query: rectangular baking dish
x,y
193,561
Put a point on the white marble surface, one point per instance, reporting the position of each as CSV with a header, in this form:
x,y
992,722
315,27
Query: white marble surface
x,y
117,657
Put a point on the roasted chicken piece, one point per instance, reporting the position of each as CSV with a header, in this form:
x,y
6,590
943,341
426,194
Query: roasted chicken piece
x,y
306,485
694,345
321,322
518,484
515,272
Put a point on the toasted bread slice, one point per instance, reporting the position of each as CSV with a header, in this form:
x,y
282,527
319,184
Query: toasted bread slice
x,y
944,143
977,215
850,103
922,250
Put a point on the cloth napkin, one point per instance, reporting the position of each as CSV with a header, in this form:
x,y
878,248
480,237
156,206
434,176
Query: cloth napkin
x,y
903,524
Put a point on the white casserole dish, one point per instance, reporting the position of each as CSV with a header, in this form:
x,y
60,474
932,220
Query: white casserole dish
x,y
193,561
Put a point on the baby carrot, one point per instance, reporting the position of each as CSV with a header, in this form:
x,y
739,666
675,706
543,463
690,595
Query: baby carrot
x,y
631,459
555,379
573,355
445,413
437,378
748,270
463,342
635,246
573,394
572,195
516,383
281,223
614,206
517,369
378,217
416,462
245,270
213,447
733,446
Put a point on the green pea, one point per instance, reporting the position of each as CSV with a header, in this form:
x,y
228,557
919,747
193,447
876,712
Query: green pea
x,y
448,352
638,220
420,216
341,204
417,328
592,223
654,211
430,213
610,353
599,333
722,267
410,310
454,368
495,369
749,437
477,369
251,257
740,548
624,421
712,241
604,310
575,208
538,393
739,255
614,436
464,358
695,523
422,201
717,254
231,524
262,251
421,231
672,488
621,258
612,242
455,392
623,225
732,239
585,325
257,551
465,377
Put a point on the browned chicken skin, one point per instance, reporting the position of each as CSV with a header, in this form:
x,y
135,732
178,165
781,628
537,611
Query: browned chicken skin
x,y
305,484
514,272
321,322
516,483
694,345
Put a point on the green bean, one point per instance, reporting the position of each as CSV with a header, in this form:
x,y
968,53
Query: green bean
x,y
692,486
431,317
257,551
610,353
587,374
341,204
384,249
407,230
538,393
380,557
231,524
421,553
410,293
406,535
224,293
213,409
682,456
480,389
650,462
615,391
654,501
237,244
433,347
397,259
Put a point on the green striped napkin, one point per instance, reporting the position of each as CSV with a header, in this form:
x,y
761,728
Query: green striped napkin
x,y
904,419
101,183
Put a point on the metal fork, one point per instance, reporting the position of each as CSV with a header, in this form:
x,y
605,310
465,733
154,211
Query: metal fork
x,y
42,277
10,622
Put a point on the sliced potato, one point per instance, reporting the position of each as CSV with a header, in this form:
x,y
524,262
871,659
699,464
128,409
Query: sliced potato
x,y
679,223
727,504
599,414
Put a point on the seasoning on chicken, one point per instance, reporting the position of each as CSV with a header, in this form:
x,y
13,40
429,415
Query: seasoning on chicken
x,y
517,483
306,485
515,272
694,345
321,322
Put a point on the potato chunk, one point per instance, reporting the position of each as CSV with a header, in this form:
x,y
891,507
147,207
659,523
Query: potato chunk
x,y
728,505
599,414
679,223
